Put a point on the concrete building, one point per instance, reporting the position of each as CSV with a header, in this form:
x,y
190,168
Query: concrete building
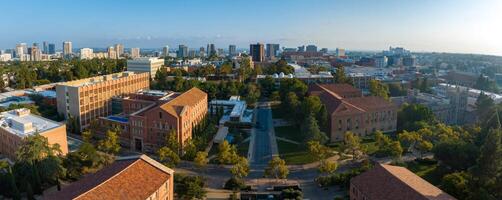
x,y
135,53
5,57
67,49
15,125
112,53
36,54
133,177
350,111
257,52
119,49
311,48
86,99
86,53
165,51
21,49
232,50
340,52
393,183
150,65
272,50
146,117
381,61
301,48
410,61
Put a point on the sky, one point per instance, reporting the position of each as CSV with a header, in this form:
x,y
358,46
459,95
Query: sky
x,y
461,26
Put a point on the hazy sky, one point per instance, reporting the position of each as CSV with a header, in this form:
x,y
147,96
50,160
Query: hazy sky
x,y
468,26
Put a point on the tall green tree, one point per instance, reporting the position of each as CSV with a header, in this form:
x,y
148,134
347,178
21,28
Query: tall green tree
x,y
168,157
110,144
241,168
311,130
277,168
379,89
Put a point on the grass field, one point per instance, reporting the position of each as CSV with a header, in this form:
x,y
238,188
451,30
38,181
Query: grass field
x,y
289,132
294,154
432,172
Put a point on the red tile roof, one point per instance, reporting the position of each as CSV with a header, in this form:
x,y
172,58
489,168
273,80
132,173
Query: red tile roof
x,y
129,178
189,98
342,89
396,183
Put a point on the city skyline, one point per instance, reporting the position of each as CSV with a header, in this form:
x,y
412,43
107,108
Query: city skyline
x,y
361,25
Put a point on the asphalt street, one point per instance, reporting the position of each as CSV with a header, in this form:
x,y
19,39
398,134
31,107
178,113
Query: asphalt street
x,y
262,150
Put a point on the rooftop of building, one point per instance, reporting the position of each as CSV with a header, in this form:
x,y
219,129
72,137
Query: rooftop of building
x,y
189,98
22,123
120,180
145,60
98,79
396,183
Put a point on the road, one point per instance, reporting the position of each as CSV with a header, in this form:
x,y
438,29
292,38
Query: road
x,y
262,148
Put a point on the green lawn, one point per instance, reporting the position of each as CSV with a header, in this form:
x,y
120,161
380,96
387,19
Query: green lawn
x,y
294,154
289,132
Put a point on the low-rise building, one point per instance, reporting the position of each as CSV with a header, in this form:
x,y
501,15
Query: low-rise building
x,y
146,117
360,115
15,125
135,177
393,183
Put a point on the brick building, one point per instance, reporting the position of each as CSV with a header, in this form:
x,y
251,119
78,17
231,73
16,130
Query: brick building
x,y
148,116
135,177
90,98
393,183
348,110
15,125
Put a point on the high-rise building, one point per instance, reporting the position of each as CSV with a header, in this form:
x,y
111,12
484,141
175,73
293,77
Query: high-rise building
x,y
86,53
232,50
257,52
135,53
192,53
409,61
112,53
311,48
119,48
272,50
21,50
182,51
301,48
35,53
324,50
145,64
381,61
211,50
67,49
165,51
85,100
45,49
52,49
340,52
202,52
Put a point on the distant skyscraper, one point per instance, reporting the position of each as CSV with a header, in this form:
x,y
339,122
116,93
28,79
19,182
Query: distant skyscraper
x,y
52,49
192,53
311,48
45,48
211,50
340,52
381,61
165,51
86,53
202,52
182,51
272,50
324,50
67,49
119,48
35,53
112,53
301,48
257,52
21,50
135,53
232,50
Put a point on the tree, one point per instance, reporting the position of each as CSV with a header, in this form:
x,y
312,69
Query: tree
x,y
327,167
189,187
110,144
411,117
86,136
489,165
456,154
340,75
311,130
318,151
240,168
275,96
277,168
424,146
201,159
172,141
168,157
484,105
352,144
378,89
252,94
35,148
227,154
456,184
291,104
190,150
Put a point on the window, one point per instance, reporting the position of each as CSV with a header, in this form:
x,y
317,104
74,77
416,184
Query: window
x,y
160,115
